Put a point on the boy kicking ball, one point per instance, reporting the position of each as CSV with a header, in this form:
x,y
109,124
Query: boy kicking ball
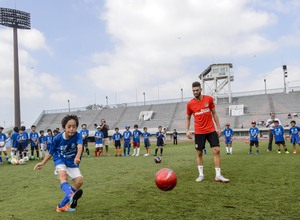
x,y
66,151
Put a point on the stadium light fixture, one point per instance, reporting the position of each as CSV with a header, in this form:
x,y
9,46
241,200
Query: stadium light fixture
x,y
285,74
69,105
144,98
17,20
106,101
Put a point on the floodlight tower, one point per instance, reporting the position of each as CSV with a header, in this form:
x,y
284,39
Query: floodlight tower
x,y
16,20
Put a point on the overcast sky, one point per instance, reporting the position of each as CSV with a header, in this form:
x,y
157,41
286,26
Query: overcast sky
x,y
85,50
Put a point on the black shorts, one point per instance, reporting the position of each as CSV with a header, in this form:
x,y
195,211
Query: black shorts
x,y
252,143
280,142
117,143
34,147
212,138
85,142
160,142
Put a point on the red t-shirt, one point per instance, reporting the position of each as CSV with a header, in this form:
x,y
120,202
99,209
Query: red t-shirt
x,y
201,110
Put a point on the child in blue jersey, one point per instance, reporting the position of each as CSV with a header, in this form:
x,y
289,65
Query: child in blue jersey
x,y
66,151
84,132
98,142
136,140
3,140
22,142
279,136
147,144
48,139
160,141
117,137
294,135
228,133
254,132
127,140
42,143
25,134
34,141
14,142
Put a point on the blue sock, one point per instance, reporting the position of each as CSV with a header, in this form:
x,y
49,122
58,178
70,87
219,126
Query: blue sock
x,y
6,158
64,202
1,159
128,150
124,151
73,190
66,188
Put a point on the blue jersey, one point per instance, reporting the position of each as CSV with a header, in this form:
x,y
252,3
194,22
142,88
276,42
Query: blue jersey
x,y
136,135
13,137
49,139
22,139
64,150
159,135
254,132
127,135
2,137
146,135
99,137
294,132
84,133
117,136
42,139
278,133
34,136
228,133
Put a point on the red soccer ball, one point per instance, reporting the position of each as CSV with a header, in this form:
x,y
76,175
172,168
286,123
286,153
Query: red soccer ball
x,y
166,179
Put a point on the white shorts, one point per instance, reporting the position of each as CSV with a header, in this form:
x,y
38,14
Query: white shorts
x,y
72,172
43,146
98,146
2,146
106,141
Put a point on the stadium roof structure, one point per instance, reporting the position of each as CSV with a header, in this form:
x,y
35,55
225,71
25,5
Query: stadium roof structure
x,y
215,77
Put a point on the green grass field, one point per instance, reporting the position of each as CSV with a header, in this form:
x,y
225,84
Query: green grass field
x,y
264,186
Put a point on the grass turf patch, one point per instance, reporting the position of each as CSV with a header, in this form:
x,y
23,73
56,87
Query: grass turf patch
x,y
261,186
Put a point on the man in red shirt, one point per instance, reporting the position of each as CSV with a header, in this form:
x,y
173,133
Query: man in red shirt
x,y
202,107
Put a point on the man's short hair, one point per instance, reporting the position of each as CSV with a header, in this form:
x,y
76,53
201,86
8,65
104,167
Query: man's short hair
x,y
196,84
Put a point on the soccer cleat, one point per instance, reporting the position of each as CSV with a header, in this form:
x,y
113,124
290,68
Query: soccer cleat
x,y
287,152
200,178
133,155
279,152
256,152
221,179
146,155
294,152
249,152
73,200
65,208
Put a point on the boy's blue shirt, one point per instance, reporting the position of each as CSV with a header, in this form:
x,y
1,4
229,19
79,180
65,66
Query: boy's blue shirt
x,y
34,136
117,136
253,131
136,135
278,133
146,135
64,150
159,135
2,137
100,136
127,135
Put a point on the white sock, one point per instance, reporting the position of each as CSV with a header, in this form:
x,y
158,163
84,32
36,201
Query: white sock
x,y
218,171
138,151
12,154
230,150
200,169
134,151
227,150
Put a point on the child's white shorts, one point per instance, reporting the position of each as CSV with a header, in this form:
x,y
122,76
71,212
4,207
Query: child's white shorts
x,y
2,146
72,172
98,146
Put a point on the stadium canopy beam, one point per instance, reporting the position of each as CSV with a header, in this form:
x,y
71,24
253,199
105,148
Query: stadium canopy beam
x,y
17,20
